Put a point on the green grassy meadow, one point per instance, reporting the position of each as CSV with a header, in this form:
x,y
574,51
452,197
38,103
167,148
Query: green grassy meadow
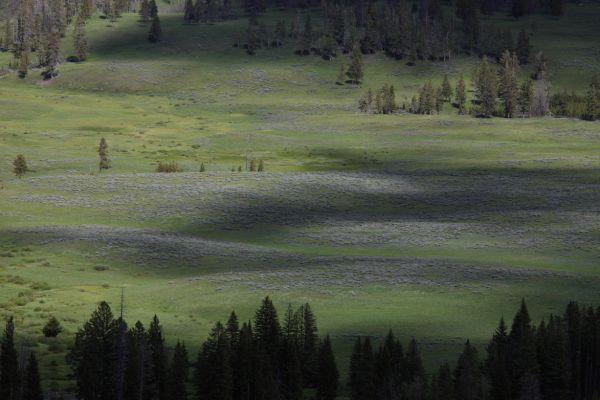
x,y
433,226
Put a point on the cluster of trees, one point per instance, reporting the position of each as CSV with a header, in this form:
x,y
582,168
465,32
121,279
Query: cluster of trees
x,y
575,106
208,10
261,359
383,102
270,359
556,360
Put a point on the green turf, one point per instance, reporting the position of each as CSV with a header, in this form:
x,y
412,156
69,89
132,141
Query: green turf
x,y
431,225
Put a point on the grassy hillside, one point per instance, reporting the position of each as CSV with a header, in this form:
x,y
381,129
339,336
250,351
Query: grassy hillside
x,y
432,225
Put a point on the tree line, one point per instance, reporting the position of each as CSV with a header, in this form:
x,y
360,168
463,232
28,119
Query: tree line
x,y
271,358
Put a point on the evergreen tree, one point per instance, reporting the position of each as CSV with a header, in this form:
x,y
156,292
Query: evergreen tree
x,y
138,371
9,364
215,379
486,88
309,344
389,369
355,69
103,153
52,327
233,330
32,387
178,374
244,362
525,98
498,364
524,367
20,165
467,375
79,39
444,384
157,359
267,330
461,95
553,359
93,355
155,34
508,87
446,89
327,375
52,55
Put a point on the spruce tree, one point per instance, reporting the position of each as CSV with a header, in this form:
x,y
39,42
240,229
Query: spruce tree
x,y
467,375
497,365
178,374
32,387
524,367
52,327
552,355
267,330
155,34
486,88
355,71
103,153
309,344
157,359
9,364
461,95
508,86
214,374
79,39
20,166
327,374
138,370
525,98
93,355
446,89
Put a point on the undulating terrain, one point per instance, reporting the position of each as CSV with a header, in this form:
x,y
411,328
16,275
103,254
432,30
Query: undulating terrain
x,y
431,225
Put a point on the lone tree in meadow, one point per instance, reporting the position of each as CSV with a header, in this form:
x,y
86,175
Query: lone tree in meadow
x,y
103,153
155,33
355,71
52,328
20,166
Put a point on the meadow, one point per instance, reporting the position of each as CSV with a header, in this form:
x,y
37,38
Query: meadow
x,y
433,226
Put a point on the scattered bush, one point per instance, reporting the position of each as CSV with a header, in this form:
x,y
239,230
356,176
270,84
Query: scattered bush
x,y
168,167
52,328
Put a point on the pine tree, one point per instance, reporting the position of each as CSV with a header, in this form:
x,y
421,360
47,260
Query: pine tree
x,y
9,364
214,374
525,98
553,359
497,364
178,374
32,387
103,153
446,89
355,71
390,369
157,359
486,88
93,355
233,330
461,95
444,384
524,367
155,34
52,327
508,89
267,330
79,39
20,165
137,373
467,375
52,55
327,375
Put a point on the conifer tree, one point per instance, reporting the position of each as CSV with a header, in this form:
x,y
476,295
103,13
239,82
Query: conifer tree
x,y
525,98
137,373
461,95
267,330
446,89
79,39
327,375
444,384
486,88
233,330
157,359
103,153
498,364
20,166
9,364
93,355
355,71
467,375
52,55
52,327
553,359
508,87
214,374
524,367
155,34
178,374
32,387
